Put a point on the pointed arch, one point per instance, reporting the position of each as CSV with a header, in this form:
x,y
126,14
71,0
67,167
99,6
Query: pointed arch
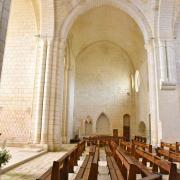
x,y
103,124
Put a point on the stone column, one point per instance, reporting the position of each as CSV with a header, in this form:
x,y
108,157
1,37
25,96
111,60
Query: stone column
x,y
168,96
59,95
71,89
153,92
65,101
167,64
40,90
56,100
47,88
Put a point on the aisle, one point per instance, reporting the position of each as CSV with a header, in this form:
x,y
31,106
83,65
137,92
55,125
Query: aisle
x,y
103,171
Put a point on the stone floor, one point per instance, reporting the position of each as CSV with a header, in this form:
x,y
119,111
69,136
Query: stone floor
x,y
20,155
35,167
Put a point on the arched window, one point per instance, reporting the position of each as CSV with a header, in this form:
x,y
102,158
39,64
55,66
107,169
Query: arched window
x,y
137,81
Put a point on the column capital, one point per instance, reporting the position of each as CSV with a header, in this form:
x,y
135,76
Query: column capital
x,y
149,43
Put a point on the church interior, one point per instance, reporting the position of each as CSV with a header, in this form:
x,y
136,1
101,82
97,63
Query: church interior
x,y
89,89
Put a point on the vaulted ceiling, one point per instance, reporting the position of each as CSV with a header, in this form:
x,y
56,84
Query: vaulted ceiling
x,y
108,24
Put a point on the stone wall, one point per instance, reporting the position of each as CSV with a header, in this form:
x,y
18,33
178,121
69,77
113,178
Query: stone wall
x,y
103,85
142,98
17,82
4,17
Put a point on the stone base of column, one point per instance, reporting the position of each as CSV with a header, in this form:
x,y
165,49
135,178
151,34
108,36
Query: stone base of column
x,y
64,140
54,147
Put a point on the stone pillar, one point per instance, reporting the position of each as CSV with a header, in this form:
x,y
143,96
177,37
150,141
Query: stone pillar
x,y
47,88
68,97
153,92
65,101
167,64
59,86
56,100
40,90
71,89
168,96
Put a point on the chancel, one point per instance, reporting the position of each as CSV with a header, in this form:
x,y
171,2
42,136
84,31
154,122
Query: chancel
x,y
89,89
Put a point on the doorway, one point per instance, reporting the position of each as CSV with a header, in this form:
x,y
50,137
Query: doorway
x,y
126,127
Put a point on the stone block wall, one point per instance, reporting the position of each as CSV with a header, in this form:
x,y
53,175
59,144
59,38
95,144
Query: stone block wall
x,y
17,80
4,17
103,85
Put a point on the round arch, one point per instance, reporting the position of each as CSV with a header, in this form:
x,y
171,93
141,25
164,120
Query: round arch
x,y
82,8
125,6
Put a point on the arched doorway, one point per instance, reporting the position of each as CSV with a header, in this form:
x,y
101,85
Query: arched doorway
x,y
103,125
126,127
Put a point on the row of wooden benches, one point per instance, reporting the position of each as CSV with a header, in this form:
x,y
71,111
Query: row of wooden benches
x,y
65,165
144,151
101,140
120,166
129,167
175,147
89,167
170,154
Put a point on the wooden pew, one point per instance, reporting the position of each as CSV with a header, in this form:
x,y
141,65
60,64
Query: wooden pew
x,y
126,145
130,147
114,170
126,165
108,151
174,157
168,146
144,146
65,164
159,165
177,147
101,140
130,166
140,139
83,166
165,149
89,168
